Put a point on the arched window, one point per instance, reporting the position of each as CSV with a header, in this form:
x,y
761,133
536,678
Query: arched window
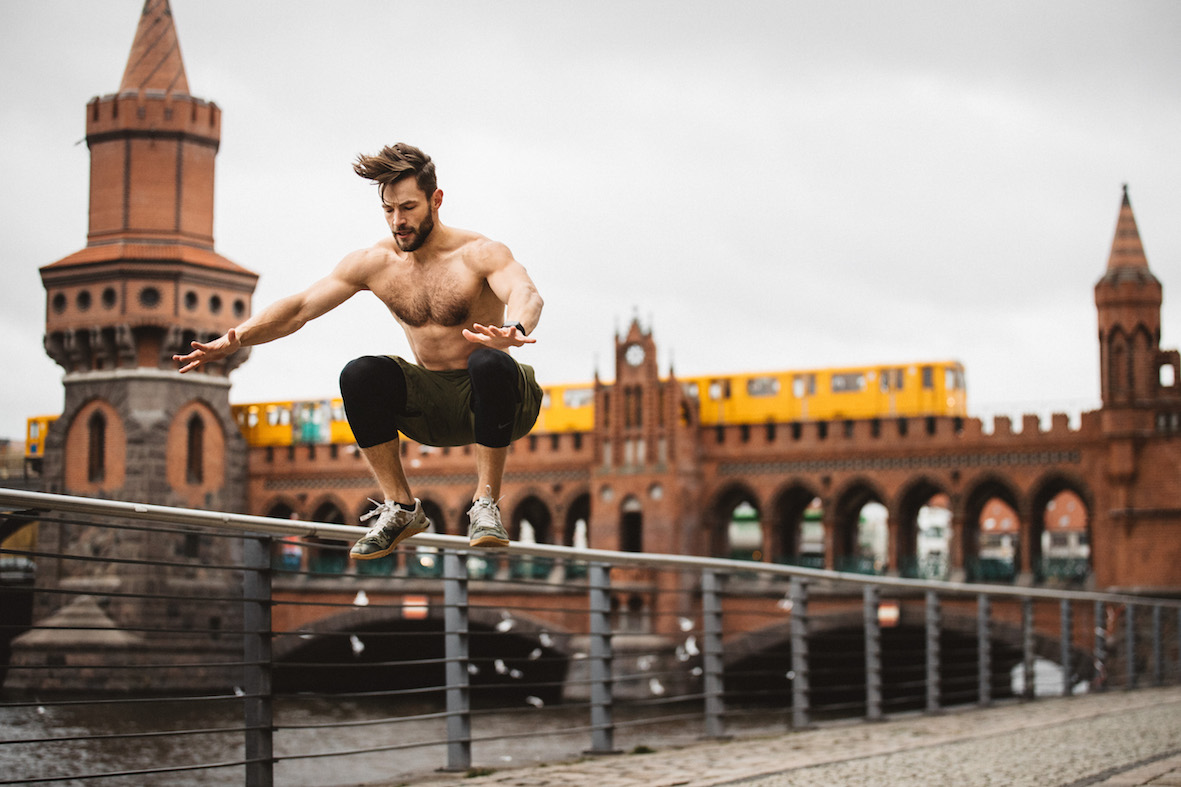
x,y
96,452
195,453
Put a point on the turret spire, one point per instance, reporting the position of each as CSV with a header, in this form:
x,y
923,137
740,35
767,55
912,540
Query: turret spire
x,y
1126,249
155,62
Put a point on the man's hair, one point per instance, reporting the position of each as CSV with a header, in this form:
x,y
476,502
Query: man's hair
x,y
396,162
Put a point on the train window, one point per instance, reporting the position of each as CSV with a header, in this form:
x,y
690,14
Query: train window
x,y
545,399
578,397
691,390
762,386
928,378
719,389
338,411
848,382
34,430
803,385
891,380
278,416
953,379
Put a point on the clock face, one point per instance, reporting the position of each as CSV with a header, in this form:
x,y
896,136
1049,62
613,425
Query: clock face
x,y
634,355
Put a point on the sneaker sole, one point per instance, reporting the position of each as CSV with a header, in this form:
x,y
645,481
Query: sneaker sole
x,y
489,542
405,534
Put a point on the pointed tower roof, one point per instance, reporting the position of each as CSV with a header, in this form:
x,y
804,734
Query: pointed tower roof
x,y
155,62
1126,249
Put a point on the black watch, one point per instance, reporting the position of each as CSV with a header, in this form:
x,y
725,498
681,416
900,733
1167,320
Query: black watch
x,y
520,328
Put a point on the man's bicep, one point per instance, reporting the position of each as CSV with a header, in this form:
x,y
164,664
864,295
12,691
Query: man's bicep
x,y
330,292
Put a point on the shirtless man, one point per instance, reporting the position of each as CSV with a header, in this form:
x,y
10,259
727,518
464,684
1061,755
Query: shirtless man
x,y
463,302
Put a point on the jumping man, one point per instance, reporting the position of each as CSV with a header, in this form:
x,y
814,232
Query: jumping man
x,y
463,302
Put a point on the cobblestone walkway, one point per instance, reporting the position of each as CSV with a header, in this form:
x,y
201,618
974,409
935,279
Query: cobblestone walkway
x,y
1116,739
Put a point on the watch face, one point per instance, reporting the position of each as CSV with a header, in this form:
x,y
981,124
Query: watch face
x,y
634,355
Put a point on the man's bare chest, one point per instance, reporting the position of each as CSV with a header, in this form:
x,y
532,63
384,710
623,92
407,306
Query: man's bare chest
x,y
443,295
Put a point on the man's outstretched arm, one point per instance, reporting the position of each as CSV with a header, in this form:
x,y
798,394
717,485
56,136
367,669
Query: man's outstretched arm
x,y
511,283
282,318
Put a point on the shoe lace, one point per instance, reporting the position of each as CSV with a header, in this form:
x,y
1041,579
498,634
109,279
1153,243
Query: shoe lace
x,y
381,508
484,511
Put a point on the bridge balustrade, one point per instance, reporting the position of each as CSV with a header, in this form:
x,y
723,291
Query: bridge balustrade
x,y
187,645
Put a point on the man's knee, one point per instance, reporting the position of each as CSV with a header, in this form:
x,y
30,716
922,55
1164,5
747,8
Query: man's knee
x,y
369,373
490,366
373,388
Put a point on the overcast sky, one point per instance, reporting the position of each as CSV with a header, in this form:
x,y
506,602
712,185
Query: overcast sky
x,y
767,185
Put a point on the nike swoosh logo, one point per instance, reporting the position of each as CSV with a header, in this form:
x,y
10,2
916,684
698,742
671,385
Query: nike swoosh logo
x,y
505,425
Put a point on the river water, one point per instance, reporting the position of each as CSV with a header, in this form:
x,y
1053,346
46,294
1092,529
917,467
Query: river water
x,y
523,733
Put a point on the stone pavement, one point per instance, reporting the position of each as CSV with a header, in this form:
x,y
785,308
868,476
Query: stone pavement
x,y
1116,739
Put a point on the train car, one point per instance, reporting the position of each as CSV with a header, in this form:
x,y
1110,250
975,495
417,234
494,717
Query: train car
x,y
927,388
567,408
293,422
36,429
916,389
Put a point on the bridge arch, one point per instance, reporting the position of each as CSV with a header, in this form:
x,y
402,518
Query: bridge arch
x,y
577,509
844,522
282,507
905,555
980,561
537,513
719,513
1059,550
786,538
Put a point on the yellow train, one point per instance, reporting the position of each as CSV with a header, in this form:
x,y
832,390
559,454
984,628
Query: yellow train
x,y
36,428
925,388
914,389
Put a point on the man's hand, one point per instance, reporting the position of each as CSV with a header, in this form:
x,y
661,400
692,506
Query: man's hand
x,y
208,353
496,338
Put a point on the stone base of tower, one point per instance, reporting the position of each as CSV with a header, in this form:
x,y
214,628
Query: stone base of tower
x,y
89,646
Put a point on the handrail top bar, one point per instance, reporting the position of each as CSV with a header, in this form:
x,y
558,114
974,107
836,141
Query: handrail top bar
x,y
20,501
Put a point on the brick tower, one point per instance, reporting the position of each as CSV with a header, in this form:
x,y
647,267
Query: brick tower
x,y
147,283
1128,298
1141,415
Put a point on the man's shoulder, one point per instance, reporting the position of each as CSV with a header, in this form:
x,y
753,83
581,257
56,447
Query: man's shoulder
x,y
481,251
361,264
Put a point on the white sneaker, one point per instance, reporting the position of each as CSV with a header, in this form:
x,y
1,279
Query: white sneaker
x,y
394,525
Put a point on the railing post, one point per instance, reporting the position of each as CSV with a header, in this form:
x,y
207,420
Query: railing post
x,y
455,653
1027,654
934,621
256,654
871,597
1130,640
801,716
983,651
602,716
1158,648
711,654
1067,651
1099,682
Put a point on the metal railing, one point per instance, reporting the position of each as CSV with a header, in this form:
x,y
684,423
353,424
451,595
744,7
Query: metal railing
x,y
278,668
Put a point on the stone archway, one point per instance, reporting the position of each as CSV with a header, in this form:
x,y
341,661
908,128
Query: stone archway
x,y
720,515
848,546
788,541
989,554
915,552
1058,536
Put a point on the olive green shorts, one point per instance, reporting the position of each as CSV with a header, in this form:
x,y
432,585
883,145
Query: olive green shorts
x,y
438,405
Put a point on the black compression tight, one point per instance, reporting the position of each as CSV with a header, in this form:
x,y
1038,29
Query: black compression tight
x,y
374,391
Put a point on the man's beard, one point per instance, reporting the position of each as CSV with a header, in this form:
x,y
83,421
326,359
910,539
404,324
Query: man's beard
x,y
421,233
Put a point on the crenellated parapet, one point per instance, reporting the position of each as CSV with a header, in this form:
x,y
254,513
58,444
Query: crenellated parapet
x,y
153,113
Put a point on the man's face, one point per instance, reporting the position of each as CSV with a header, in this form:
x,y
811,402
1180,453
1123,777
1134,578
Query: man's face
x,y
409,212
